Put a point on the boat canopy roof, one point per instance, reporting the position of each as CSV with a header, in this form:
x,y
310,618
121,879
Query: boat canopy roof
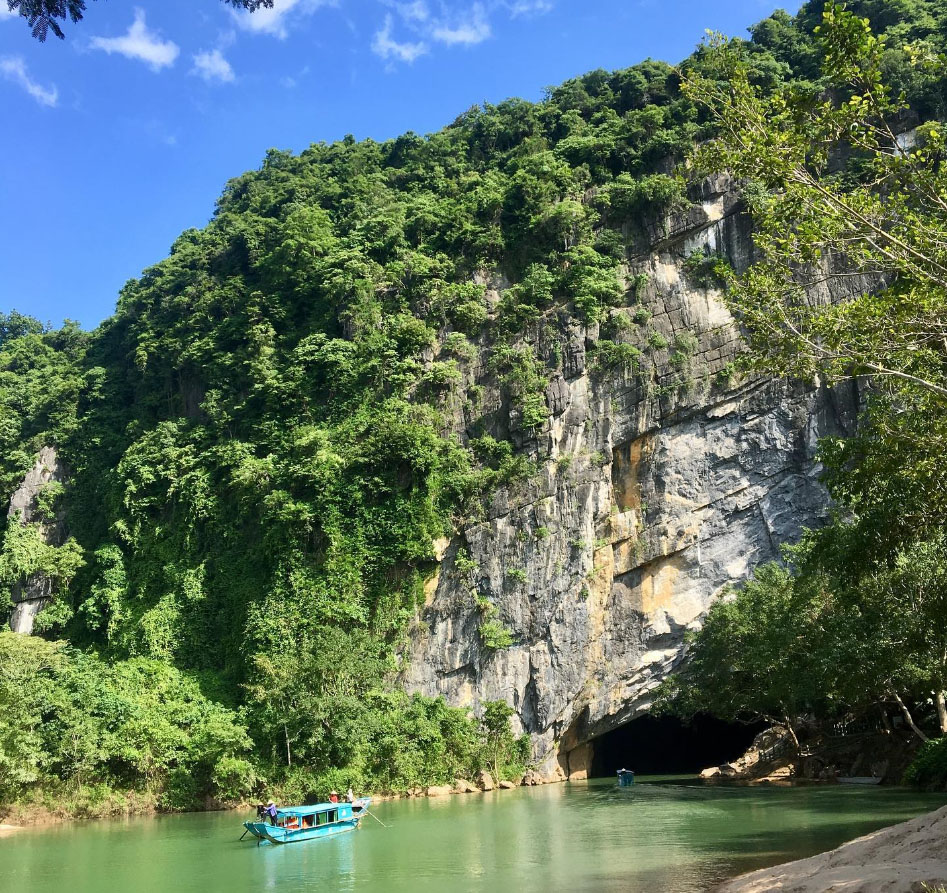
x,y
309,810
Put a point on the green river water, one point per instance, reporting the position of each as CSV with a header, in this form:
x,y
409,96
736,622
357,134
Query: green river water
x,y
660,836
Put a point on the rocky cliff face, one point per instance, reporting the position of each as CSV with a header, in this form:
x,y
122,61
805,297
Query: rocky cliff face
x,y
655,490
31,594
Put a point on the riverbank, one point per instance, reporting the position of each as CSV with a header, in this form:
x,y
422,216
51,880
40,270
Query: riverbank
x,y
904,858
92,804
85,805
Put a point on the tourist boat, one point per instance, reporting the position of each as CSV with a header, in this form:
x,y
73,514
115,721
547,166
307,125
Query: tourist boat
x,y
625,777
294,823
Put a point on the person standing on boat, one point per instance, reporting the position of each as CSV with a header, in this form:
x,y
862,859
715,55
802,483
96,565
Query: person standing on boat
x,y
271,811
334,797
349,796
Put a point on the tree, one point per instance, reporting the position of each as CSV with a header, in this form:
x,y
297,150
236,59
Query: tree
x,y
44,16
850,211
502,748
756,656
823,639
16,325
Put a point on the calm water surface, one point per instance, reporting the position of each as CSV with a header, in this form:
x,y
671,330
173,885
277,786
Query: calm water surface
x,y
661,836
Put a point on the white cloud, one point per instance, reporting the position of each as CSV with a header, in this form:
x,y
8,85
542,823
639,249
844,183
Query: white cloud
x,y
531,7
469,29
415,11
274,21
212,66
385,46
6,12
13,68
267,21
140,43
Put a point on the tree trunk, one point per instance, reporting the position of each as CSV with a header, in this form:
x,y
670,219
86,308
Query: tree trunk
x,y
792,732
885,722
939,699
907,717
289,756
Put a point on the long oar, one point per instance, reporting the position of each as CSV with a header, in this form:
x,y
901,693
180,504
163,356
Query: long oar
x,y
245,833
375,817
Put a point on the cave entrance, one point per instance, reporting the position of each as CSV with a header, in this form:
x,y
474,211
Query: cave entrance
x,y
659,745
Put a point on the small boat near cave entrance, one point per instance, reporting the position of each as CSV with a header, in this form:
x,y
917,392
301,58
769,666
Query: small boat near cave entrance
x,y
625,777
296,823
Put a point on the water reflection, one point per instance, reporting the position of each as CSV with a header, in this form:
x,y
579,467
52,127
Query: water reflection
x,y
659,836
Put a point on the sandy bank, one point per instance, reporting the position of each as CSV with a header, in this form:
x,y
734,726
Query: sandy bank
x,y
899,859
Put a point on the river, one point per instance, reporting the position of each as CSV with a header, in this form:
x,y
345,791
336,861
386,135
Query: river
x,y
660,836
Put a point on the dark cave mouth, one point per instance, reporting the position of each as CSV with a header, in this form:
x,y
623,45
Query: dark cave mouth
x,y
665,745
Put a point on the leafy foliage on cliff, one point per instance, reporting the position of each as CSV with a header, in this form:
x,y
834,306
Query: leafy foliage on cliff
x,y
270,434
839,193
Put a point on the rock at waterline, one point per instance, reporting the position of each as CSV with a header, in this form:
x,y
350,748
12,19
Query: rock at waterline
x,y
904,858
485,780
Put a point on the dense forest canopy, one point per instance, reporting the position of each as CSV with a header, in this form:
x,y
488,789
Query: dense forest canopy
x,y
261,442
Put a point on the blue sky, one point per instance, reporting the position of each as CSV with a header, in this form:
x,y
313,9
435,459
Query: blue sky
x,y
122,135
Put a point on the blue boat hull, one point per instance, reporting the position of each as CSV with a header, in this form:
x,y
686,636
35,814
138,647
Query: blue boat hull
x,y
274,834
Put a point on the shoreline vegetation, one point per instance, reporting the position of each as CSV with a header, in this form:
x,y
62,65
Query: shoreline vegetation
x,y
132,804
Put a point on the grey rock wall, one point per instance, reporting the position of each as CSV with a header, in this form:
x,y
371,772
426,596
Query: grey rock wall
x,y
655,490
31,594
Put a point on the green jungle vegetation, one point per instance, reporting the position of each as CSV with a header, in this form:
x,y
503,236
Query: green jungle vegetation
x,y
856,620
262,441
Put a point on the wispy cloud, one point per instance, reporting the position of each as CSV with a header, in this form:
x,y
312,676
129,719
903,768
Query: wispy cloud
x,y
384,45
291,81
531,7
468,28
6,12
277,19
212,66
447,22
140,43
416,11
13,68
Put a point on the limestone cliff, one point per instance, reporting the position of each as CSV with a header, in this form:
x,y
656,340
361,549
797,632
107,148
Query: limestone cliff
x,y
32,593
655,490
